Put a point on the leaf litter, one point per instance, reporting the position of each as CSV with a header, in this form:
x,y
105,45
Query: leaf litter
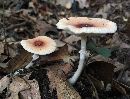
x,y
106,74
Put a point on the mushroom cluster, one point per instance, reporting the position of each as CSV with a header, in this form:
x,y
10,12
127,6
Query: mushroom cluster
x,y
84,26
80,26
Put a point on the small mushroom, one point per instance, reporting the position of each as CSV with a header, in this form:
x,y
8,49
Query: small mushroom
x,y
84,26
41,45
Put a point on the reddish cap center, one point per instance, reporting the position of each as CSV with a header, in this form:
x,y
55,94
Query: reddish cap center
x,y
38,43
83,25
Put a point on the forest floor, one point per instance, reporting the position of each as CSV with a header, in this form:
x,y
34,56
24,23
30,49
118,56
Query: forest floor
x,y
106,74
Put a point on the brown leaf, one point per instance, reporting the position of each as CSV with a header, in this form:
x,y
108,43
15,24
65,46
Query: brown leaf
x,y
83,3
118,87
4,82
123,87
97,83
65,3
1,47
59,82
104,10
61,54
59,43
19,61
117,42
127,31
72,39
42,27
3,57
101,70
18,84
117,66
70,46
33,92
12,50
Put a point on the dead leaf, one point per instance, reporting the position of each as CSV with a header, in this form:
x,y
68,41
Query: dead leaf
x,y
127,30
4,82
12,50
83,3
61,54
123,87
59,82
1,47
104,10
117,42
118,88
102,71
95,93
97,83
118,66
19,61
3,65
66,3
62,43
59,43
3,57
42,27
18,84
72,39
33,92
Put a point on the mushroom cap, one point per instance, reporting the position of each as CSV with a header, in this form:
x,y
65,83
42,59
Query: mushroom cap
x,y
79,25
40,45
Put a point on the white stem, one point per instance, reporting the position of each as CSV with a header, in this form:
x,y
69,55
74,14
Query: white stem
x,y
35,56
76,75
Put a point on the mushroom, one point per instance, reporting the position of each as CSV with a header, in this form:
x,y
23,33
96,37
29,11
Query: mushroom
x,y
41,45
84,26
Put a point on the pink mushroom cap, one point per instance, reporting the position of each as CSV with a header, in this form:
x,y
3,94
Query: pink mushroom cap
x,y
40,45
79,25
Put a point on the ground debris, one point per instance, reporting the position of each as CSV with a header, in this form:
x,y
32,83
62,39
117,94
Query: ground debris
x,y
106,74
60,83
18,84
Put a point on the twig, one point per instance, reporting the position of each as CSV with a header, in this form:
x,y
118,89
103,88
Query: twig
x,y
96,93
15,26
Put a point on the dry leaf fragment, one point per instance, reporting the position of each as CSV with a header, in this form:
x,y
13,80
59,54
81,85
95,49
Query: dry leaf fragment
x,y
117,42
18,84
65,3
118,66
33,92
1,47
60,83
83,3
62,43
61,54
119,88
59,43
4,82
42,27
19,61
104,10
71,39
97,83
101,70
3,65
12,50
